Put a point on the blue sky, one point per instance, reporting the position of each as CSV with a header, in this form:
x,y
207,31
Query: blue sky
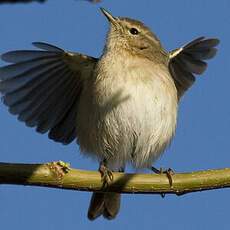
x,y
202,137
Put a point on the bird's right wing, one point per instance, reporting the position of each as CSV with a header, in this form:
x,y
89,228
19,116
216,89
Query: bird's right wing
x,y
189,60
43,88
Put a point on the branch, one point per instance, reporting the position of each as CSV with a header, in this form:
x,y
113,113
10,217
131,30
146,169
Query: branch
x,y
58,175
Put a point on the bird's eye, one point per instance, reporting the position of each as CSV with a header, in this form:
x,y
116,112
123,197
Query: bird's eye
x,y
134,31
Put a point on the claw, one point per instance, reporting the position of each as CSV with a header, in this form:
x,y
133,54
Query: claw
x,y
169,173
106,175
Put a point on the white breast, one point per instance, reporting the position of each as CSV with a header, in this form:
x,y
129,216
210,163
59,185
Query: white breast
x,y
128,114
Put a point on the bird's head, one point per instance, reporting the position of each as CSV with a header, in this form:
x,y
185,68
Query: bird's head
x,y
131,35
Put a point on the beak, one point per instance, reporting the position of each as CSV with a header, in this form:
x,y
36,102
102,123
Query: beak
x,y
109,16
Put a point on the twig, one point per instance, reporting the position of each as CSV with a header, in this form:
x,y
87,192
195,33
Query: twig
x,y
58,175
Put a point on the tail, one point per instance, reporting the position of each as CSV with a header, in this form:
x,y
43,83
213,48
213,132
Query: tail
x,y
106,204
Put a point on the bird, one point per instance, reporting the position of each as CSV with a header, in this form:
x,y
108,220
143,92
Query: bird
x,y
120,108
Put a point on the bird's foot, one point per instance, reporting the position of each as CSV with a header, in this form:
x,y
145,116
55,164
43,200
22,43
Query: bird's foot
x,y
106,175
168,172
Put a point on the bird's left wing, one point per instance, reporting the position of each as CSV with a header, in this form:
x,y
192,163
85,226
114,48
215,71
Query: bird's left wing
x,y
43,88
189,60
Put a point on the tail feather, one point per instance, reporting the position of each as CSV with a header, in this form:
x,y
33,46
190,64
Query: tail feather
x,y
111,205
96,206
106,204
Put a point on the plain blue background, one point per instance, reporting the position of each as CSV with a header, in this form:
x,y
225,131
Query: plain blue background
x,y
202,137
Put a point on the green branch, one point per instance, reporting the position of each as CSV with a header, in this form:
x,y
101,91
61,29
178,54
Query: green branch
x,y
59,175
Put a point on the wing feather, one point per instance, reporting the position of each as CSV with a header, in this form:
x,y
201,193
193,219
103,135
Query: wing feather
x,y
26,55
43,88
189,60
41,98
26,90
59,110
48,47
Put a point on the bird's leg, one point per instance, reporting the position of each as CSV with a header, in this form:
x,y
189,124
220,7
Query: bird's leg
x,y
106,174
169,173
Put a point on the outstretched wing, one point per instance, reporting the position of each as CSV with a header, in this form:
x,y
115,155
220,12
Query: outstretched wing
x,y
189,60
43,88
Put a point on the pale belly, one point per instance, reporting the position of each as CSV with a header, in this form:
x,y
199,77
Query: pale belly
x,y
127,121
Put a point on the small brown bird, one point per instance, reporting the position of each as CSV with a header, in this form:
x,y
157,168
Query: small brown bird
x,y
121,107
